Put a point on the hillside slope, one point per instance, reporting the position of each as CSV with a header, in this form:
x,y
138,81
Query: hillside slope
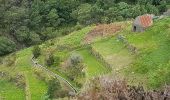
x,y
145,58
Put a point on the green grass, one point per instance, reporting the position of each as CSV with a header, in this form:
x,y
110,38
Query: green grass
x,y
9,91
23,65
113,52
38,88
74,39
154,56
93,66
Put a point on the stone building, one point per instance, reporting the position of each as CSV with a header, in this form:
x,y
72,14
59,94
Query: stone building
x,y
142,22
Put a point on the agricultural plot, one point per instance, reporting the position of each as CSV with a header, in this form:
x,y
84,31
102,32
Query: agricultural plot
x,y
113,52
93,66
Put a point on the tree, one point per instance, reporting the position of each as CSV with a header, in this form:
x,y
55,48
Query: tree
x,y
54,88
24,35
6,46
53,18
75,66
36,51
50,60
83,13
162,7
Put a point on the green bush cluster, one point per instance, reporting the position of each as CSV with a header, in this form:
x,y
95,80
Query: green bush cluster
x,y
6,46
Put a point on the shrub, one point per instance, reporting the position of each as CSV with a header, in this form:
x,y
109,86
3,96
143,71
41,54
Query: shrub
x,y
42,75
36,51
75,59
6,46
50,59
10,60
75,66
53,88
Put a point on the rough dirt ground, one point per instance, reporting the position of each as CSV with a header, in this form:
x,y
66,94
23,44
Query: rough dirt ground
x,y
102,30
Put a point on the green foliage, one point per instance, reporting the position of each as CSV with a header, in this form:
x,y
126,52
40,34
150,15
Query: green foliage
x,y
36,51
162,7
30,22
75,59
6,46
50,60
24,35
54,88
75,66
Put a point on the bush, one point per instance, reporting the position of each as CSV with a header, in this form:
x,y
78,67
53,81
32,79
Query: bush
x,y
75,59
75,66
53,88
36,51
6,46
10,60
50,59
42,75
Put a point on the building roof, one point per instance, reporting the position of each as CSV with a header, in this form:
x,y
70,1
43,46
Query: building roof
x,y
144,20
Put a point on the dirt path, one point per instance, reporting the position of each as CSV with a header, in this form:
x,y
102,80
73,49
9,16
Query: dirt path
x,y
27,88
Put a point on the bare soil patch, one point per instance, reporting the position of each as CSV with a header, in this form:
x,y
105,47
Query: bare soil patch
x,y
102,30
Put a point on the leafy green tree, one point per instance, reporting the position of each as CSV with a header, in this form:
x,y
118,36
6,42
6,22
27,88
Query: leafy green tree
x,y
162,7
23,34
54,88
87,14
36,51
53,18
6,46
83,13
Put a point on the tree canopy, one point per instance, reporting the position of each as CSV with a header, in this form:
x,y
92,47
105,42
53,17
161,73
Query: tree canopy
x,y
30,22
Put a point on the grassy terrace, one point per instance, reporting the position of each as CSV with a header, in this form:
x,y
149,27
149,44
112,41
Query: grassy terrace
x,y
94,67
38,88
23,65
9,91
113,52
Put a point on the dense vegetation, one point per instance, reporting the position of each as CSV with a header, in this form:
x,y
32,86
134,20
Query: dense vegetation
x,y
28,22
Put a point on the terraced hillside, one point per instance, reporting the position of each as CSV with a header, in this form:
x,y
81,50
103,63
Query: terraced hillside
x,y
138,57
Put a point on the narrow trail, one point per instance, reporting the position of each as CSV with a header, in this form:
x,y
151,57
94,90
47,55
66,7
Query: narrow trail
x,y
54,74
27,88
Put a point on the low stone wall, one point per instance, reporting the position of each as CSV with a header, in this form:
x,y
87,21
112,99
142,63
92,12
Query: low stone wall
x,y
130,47
99,57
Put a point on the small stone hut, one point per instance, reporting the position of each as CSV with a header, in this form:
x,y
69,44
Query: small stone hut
x,y
142,22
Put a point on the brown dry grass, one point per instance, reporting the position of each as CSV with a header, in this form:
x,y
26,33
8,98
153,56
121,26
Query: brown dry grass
x,y
102,30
